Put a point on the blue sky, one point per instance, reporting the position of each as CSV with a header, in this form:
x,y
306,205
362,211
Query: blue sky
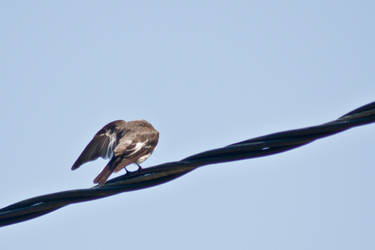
x,y
205,74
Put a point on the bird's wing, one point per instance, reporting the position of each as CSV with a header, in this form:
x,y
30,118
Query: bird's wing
x,y
128,152
128,148
101,145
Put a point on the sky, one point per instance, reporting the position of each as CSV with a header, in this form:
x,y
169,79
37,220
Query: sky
x,y
206,74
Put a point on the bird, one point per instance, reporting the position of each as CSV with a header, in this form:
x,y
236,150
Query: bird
x,y
123,143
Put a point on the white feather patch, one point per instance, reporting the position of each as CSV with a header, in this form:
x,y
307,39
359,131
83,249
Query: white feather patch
x,y
143,158
111,145
138,146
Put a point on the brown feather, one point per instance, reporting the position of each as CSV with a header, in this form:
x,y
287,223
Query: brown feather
x,y
99,145
125,142
123,164
103,175
95,149
115,165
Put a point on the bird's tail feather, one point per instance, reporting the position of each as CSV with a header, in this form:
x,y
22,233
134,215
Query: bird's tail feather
x,y
105,173
114,165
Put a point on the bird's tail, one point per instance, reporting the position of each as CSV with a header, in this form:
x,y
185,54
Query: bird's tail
x,y
103,175
114,165
106,172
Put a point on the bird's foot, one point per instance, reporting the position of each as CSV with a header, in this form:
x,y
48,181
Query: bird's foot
x,y
139,167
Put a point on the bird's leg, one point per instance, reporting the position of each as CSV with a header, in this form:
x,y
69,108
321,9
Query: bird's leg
x,y
126,170
139,167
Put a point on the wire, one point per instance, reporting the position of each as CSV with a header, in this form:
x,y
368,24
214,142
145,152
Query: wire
x,y
159,174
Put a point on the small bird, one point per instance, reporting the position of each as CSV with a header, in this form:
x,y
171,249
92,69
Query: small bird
x,y
123,143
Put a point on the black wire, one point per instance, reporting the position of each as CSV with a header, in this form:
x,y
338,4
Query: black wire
x,y
149,177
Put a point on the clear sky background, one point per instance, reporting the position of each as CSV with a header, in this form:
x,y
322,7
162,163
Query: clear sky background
x,y
205,74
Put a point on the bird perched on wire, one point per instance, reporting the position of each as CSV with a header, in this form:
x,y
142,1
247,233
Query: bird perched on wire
x,y
123,143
